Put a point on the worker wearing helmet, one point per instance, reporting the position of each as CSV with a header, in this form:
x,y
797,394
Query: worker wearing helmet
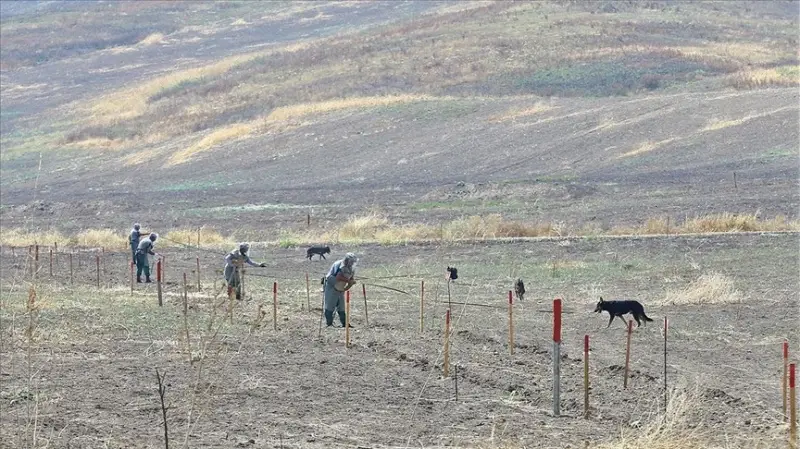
x,y
234,262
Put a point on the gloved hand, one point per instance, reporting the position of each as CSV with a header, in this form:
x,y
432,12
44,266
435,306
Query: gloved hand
x,y
263,264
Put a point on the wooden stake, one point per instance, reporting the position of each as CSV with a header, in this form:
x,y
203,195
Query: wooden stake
x,y
557,357
308,294
71,281
455,378
347,320
446,363
275,306
186,317
666,390
586,376
159,279
97,260
784,379
366,312
55,245
198,270
628,354
792,410
510,323
51,263
308,220
422,307
36,260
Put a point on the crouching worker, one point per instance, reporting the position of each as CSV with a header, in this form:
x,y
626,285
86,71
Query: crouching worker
x,y
143,251
343,273
234,262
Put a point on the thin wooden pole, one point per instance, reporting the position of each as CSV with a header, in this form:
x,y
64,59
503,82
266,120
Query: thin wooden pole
x,y
627,354
586,376
275,306
159,279
51,263
666,390
198,270
347,319
510,323
36,260
366,312
792,409
308,293
97,261
784,379
186,317
557,357
71,279
446,363
422,306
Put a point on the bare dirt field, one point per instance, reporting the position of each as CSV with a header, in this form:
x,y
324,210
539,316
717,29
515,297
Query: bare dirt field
x,y
86,375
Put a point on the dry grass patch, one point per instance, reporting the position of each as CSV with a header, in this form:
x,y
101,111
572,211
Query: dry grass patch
x,y
222,135
646,147
516,113
152,39
728,222
785,76
186,236
107,238
709,288
21,237
721,124
304,109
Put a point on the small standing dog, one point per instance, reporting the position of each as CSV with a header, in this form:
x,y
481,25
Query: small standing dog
x,y
619,308
452,273
318,250
519,289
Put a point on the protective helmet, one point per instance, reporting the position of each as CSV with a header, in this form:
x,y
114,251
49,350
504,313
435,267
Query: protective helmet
x,y
153,236
351,257
136,226
244,247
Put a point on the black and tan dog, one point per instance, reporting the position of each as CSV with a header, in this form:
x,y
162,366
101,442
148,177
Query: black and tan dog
x,y
318,250
619,308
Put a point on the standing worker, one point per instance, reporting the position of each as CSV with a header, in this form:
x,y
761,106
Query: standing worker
x,y
342,271
234,261
144,250
136,234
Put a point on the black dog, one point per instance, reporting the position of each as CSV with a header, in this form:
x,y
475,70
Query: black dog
x,y
318,250
619,308
452,273
519,289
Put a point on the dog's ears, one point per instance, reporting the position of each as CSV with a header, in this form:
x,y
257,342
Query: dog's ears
x,y
601,299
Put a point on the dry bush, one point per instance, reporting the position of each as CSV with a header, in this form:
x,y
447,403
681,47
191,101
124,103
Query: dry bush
x,y
101,237
188,236
728,222
21,237
774,77
362,228
222,135
709,288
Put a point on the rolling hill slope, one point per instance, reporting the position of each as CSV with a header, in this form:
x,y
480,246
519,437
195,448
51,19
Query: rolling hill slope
x,y
603,111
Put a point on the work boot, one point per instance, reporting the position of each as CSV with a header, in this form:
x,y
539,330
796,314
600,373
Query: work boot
x,y
329,317
138,279
147,279
239,296
343,319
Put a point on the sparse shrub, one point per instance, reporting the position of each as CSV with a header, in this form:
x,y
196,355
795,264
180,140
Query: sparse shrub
x,y
102,237
710,288
651,82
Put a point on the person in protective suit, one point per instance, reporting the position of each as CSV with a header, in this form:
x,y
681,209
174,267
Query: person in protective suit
x,y
234,261
341,271
143,250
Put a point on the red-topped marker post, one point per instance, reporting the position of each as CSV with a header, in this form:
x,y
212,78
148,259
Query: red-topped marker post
x,y
557,357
